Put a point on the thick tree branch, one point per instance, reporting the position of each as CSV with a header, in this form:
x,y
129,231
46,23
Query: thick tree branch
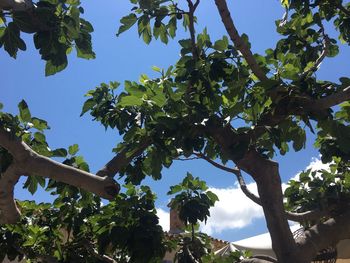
x,y
238,41
323,235
123,158
329,101
312,215
260,259
30,163
9,212
297,217
16,5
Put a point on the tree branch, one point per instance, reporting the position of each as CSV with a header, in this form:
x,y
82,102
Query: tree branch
x,y
237,40
122,159
9,212
343,9
236,172
323,235
217,165
95,253
192,8
29,162
322,56
329,101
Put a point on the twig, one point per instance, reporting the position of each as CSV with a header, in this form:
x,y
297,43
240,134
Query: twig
x,y
343,9
238,174
192,8
220,166
322,56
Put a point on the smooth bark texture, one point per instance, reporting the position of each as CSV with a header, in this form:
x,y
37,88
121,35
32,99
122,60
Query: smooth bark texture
x,y
9,212
237,40
28,162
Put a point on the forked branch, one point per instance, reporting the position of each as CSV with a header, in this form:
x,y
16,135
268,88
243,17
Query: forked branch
x,y
27,162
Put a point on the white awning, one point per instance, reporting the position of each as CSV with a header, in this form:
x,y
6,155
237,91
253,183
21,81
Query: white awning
x,y
261,245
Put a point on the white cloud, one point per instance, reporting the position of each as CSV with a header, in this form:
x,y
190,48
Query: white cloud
x,y
233,210
315,165
164,219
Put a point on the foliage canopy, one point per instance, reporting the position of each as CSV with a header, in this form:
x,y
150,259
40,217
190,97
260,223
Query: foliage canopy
x,y
218,102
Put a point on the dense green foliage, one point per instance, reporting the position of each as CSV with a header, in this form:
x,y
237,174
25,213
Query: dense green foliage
x,y
210,89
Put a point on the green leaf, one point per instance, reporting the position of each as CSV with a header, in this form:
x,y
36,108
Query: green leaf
x,y
222,44
73,149
31,184
39,137
175,189
24,113
39,124
10,39
130,101
213,197
88,105
1,106
51,68
60,152
127,22
285,3
155,68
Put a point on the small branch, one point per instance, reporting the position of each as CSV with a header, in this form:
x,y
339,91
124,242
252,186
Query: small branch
x,y
343,9
122,159
95,253
192,8
238,41
9,212
246,191
328,102
238,174
322,56
220,166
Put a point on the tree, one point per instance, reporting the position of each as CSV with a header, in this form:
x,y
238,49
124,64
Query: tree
x,y
219,102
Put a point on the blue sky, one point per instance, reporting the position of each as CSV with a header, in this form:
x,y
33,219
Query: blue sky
x,y
59,98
